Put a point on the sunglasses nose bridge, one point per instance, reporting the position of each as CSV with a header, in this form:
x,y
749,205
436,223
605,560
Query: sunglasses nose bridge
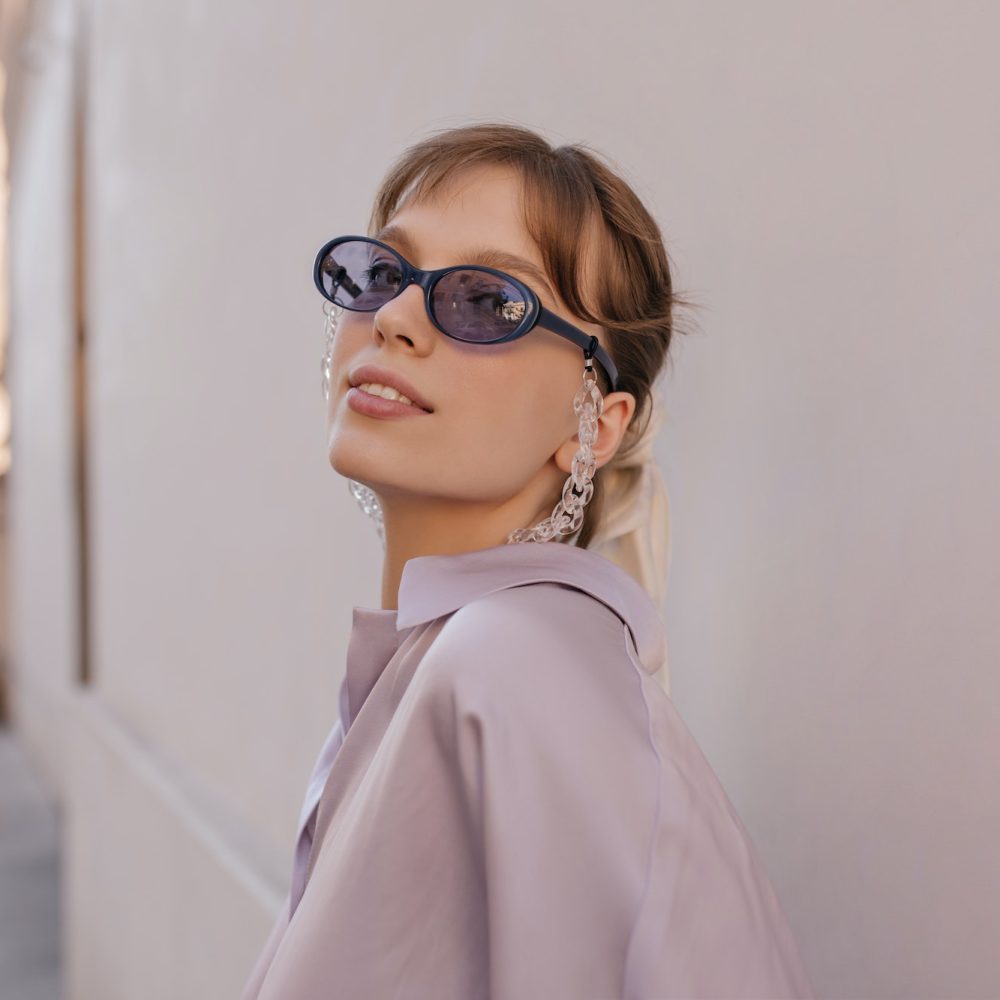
x,y
415,276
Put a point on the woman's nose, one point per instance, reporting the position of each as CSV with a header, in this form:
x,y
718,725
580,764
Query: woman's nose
x,y
405,313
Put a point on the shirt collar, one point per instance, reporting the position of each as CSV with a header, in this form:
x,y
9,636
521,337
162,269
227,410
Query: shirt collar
x,y
436,585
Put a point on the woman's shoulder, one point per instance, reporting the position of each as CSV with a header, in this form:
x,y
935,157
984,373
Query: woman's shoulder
x,y
541,627
529,594
540,653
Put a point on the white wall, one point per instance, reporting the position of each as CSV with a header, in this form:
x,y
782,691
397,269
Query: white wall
x,y
42,561
826,178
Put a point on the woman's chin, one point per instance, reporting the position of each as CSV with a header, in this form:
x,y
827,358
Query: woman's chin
x,y
354,461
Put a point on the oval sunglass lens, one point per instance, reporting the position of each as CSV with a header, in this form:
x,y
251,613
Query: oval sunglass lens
x,y
478,306
360,275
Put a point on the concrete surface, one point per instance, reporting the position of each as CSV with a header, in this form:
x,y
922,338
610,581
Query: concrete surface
x,y
29,879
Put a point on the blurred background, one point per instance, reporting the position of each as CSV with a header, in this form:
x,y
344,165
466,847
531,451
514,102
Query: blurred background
x,y
179,561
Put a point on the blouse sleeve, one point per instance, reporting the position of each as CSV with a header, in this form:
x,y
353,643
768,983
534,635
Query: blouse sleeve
x,y
547,735
613,864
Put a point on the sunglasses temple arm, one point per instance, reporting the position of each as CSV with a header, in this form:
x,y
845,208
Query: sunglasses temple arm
x,y
552,322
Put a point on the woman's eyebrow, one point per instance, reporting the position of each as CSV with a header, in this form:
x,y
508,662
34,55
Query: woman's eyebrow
x,y
504,261
397,235
487,256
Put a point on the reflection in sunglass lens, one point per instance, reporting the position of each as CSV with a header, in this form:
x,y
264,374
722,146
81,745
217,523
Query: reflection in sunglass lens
x,y
360,275
477,306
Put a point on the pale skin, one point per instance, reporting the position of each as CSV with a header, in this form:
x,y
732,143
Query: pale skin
x,y
494,454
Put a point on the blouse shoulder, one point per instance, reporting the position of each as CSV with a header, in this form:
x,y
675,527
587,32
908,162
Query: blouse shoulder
x,y
536,653
541,627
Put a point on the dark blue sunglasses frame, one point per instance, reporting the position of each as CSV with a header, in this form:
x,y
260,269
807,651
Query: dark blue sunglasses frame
x,y
536,314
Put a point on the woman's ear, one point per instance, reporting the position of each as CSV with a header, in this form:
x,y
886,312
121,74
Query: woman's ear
x,y
611,426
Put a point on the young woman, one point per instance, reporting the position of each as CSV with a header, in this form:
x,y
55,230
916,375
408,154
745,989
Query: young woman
x,y
509,805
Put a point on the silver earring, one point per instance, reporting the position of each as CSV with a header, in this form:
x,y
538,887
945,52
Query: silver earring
x,y
333,314
367,501
567,515
369,504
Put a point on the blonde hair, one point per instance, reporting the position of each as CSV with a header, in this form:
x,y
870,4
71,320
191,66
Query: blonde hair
x,y
572,197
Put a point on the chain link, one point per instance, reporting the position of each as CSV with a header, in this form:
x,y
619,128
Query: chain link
x,y
567,515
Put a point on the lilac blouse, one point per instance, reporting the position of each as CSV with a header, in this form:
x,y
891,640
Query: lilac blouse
x,y
509,807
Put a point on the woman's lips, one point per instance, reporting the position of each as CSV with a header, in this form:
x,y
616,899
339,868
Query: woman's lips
x,y
377,406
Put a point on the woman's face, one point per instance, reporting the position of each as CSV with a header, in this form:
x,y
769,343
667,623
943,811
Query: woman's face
x,y
498,445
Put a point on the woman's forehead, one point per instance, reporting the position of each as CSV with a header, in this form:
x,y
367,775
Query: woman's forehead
x,y
471,206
